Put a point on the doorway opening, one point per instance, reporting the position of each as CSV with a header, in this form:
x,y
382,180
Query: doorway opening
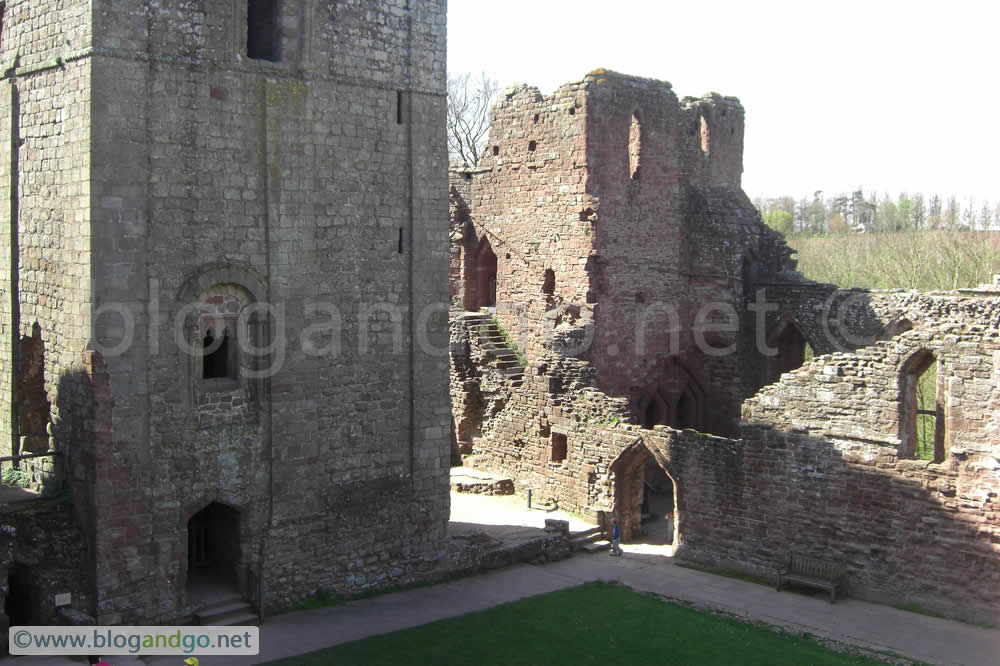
x,y
645,496
213,553
21,604
481,277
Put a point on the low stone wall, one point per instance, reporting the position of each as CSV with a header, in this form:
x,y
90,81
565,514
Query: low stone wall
x,y
469,554
909,531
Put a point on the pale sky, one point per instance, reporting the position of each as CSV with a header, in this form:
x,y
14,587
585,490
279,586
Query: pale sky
x,y
893,96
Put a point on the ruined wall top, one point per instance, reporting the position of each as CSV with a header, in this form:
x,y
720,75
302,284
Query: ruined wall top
x,y
634,130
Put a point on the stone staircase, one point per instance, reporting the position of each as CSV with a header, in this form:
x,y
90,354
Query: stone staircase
x,y
589,541
498,353
227,612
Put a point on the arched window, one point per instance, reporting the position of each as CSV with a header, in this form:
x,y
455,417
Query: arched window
x,y
921,423
634,140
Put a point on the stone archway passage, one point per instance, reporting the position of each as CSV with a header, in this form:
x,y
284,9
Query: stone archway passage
x,y
644,491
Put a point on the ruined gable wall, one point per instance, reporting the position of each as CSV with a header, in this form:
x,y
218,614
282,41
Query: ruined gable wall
x,y
531,206
671,239
295,181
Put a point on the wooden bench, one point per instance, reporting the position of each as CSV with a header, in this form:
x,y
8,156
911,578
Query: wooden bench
x,y
812,572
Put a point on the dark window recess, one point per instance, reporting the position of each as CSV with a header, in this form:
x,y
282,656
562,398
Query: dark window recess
x,y
399,107
549,282
559,446
399,247
262,30
215,362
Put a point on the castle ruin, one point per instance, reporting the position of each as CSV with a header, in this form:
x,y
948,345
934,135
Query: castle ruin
x,y
628,337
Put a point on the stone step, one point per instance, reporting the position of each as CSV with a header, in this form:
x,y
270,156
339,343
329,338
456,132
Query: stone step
x,y
580,542
226,612
242,618
501,352
587,533
597,546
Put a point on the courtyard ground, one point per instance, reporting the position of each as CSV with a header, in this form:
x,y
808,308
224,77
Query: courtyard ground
x,y
644,567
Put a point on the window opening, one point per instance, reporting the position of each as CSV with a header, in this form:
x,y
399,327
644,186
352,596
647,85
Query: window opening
x,y
634,140
926,412
549,282
922,421
216,362
559,445
262,30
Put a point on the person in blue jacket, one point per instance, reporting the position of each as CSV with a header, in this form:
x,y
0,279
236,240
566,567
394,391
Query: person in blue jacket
x,y
616,538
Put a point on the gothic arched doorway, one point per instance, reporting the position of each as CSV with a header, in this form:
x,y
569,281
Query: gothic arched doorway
x,y
645,495
481,277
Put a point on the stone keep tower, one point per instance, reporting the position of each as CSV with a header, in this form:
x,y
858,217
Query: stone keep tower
x,y
223,251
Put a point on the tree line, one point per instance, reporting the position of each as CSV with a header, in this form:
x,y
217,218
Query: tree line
x,y
871,213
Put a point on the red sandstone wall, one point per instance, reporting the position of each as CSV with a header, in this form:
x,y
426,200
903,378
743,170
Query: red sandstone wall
x,y
612,184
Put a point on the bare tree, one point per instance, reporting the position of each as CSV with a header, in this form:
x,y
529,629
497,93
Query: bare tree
x,y
470,100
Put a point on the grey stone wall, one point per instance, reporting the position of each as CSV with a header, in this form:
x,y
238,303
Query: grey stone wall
x,y
45,260
52,556
315,184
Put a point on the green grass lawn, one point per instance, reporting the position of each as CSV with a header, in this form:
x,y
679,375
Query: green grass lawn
x,y
597,623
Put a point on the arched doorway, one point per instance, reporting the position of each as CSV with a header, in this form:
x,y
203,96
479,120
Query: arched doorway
x,y
213,553
789,345
645,495
481,277
657,512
